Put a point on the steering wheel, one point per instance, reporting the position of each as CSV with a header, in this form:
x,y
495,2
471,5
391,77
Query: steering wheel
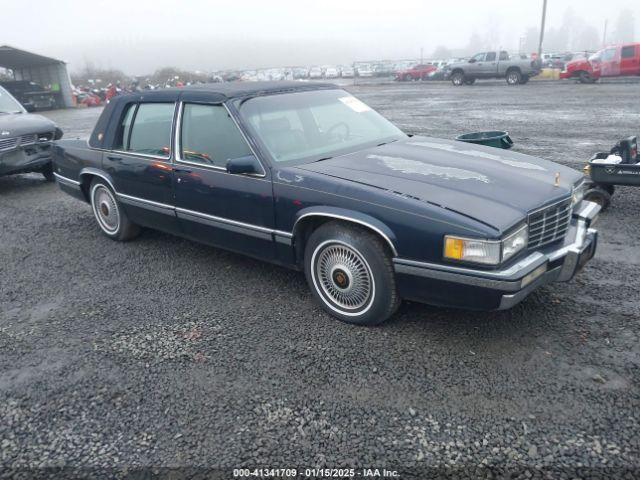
x,y
347,131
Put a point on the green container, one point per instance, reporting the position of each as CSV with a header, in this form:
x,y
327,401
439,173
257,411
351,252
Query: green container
x,y
495,139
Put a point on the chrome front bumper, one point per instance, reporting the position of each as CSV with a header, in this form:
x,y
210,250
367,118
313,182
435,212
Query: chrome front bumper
x,y
516,282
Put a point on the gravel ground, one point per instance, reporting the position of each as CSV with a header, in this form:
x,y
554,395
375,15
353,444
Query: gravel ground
x,y
168,354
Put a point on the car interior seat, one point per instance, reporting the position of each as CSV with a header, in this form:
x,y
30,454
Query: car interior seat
x,y
281,138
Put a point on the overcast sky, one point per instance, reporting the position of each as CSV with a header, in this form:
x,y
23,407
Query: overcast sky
x,y
139,36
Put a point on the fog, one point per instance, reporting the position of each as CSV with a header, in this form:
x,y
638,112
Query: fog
x,y
139,36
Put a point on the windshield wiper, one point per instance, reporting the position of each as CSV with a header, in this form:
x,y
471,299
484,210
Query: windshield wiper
x,y
321,159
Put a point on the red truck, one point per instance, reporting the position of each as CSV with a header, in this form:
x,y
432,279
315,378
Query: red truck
x,y
614,61
418,72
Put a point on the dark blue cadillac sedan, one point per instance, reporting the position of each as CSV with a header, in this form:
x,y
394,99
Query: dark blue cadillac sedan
x,y
309,177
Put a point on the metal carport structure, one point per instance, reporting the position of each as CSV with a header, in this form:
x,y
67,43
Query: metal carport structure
x,y
38,68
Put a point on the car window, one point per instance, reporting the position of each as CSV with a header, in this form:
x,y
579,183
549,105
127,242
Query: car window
x,y
478,57
124,129
491,57
150,133
8,104
608,54
629,51
210,136
306,126
504,56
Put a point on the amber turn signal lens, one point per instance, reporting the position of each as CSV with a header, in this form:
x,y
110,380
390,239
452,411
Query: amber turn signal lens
x,y
453,248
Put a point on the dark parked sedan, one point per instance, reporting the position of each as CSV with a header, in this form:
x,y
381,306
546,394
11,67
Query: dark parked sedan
x,y
25,139
309,177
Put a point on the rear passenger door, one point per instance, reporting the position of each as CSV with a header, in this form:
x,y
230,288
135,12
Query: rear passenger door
x,y
233,211
139,164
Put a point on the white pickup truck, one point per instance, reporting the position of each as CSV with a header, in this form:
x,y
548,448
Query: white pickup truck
x,y
500,64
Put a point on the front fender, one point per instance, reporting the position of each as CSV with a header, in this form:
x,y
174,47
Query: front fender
x,y
350,216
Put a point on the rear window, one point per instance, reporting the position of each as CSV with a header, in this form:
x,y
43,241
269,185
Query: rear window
x,y
628,52
146,129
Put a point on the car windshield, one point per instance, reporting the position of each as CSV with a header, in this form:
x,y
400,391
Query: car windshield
x,y
8,104
309,126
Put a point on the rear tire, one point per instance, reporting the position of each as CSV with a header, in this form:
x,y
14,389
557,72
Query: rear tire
x,y
109,214
408,78
514,77
598,195
350,273
457,79
525,79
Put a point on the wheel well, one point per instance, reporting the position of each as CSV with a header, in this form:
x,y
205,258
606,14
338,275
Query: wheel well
x,y
511,69
305,227
85,184
457,70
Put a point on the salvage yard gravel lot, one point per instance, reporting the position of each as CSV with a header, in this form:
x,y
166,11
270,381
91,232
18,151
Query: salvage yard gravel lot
x,y
165,353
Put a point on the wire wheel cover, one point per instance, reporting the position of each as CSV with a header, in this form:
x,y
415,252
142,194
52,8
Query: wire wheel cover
x,y
344,276
106,209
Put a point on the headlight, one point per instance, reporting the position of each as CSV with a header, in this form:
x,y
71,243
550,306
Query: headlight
x,y
577,194
490,252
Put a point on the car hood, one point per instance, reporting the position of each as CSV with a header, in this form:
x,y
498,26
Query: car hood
x,y
493,186
17,124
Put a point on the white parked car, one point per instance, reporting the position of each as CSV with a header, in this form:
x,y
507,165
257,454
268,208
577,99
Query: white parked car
x,y
331,72
315,72
365,72
347,72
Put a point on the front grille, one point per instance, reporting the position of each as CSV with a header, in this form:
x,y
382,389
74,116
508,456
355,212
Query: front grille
x,y
28,139
8,143
549,224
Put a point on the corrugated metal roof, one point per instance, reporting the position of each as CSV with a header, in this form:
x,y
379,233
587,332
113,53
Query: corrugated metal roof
x,y
15,58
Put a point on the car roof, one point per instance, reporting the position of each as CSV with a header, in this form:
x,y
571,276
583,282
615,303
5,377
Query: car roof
x,y
225,91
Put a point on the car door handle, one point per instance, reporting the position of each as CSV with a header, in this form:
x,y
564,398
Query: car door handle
x,y
182,170
114,158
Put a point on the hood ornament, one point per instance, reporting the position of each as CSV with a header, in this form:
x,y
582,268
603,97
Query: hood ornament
x,y
556,182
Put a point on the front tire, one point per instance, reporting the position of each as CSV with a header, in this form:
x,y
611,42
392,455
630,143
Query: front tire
x,y
109,214
350,273
586,78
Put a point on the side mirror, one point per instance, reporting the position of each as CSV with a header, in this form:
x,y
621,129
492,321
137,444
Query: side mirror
x,y
58,134
244,165
472,60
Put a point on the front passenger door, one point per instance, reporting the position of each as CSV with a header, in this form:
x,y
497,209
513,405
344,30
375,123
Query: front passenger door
x,y
233,211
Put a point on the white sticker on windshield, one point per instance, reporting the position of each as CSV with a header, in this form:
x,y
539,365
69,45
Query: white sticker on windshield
x,y
354,104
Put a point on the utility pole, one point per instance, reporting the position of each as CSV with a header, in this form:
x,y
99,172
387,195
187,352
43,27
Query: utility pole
x,y
604,34
421,55
544,17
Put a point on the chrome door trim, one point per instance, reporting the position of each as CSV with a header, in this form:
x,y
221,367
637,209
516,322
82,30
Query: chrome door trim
x,y
148,204
65,180
225,223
